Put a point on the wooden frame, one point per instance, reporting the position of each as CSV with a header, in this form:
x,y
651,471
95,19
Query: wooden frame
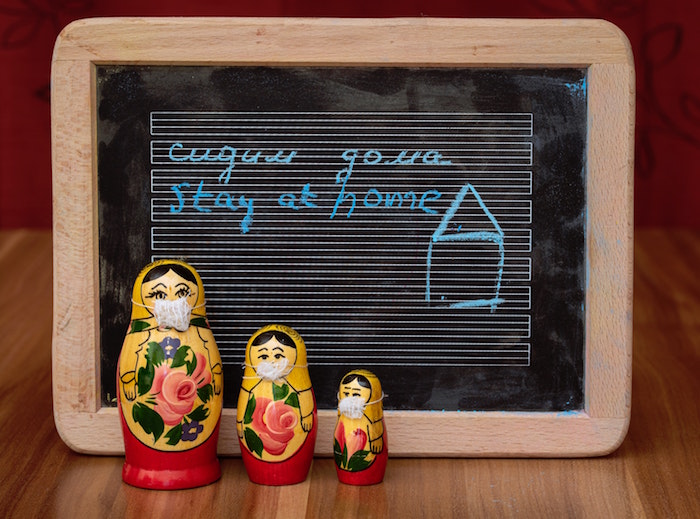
x,y
87,427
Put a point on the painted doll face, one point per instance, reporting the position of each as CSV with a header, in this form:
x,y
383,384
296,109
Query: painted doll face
x,y
170,286
272,352
354,389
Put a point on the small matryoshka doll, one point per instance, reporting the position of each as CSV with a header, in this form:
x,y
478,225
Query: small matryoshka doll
x,y
169,382
360,446
276,415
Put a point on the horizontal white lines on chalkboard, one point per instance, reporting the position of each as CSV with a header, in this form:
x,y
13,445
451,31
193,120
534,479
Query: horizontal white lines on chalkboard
x,y
328,146
253,140
481,276
464,338
503,178
473,348
511,272
156,114
400,363
208,172
262,279
471,328
453,148
321,271
513,354
308,309
391,357
516,241
157,117
274,296
191,151
518,213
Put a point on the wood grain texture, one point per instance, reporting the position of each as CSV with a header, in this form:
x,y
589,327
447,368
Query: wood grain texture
x,y
341,41
597,429
653,473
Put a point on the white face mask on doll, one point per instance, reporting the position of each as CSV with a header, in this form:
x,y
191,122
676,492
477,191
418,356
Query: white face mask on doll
x,y
173,313
354,406
273,370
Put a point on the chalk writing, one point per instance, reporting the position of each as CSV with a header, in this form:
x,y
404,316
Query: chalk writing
x,y
202,201
227,154
204,198
290,199
373,197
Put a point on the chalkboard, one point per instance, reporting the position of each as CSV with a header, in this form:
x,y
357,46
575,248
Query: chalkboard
x,y
429,221
387,214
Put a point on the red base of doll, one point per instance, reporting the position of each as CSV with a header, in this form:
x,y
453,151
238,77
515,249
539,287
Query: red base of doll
x,y
148,468
288,472
371,475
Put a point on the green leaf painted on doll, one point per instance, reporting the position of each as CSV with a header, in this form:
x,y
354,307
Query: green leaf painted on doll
x,y
155,353
200,322
249,410
358,462
279,392
180,357
292,400
253,441
139,326
192,365
199,414
205,393
150,421
174,435
144,379
340,455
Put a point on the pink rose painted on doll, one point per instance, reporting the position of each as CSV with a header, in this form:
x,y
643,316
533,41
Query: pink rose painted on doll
x,y
175,391
201,374
274,423
356,442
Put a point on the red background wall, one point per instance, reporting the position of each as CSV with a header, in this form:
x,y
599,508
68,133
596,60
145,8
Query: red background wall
x,y
664,37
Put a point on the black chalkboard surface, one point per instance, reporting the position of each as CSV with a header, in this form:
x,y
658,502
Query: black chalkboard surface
x,y
426,223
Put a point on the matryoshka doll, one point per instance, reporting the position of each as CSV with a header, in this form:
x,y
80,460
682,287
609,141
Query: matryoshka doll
x,y
360,446
276,415
169,379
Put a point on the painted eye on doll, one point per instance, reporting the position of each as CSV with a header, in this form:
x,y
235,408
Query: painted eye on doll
x,y
183,291
157,294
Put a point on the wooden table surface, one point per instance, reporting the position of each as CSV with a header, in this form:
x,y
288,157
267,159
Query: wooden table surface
x,y
653,474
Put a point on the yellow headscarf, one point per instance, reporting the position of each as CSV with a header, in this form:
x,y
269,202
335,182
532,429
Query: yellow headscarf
x,y
375,408
140,312
249,375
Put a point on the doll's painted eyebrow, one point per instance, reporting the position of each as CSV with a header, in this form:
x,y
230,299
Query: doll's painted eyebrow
x,y
278,348
157,289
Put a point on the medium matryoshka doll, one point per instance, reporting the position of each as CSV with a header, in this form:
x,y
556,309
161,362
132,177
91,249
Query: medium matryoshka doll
x,y
360,446
169,382
276,416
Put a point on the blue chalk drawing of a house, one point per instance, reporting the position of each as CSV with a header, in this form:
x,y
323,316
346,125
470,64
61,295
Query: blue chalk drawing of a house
x,y
494,235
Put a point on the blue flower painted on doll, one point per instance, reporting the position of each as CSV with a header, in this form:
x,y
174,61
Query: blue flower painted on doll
x,y
170,346
191,430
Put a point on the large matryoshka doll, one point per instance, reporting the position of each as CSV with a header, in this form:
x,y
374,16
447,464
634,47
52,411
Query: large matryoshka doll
x,y
169,379
360,446
276,415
